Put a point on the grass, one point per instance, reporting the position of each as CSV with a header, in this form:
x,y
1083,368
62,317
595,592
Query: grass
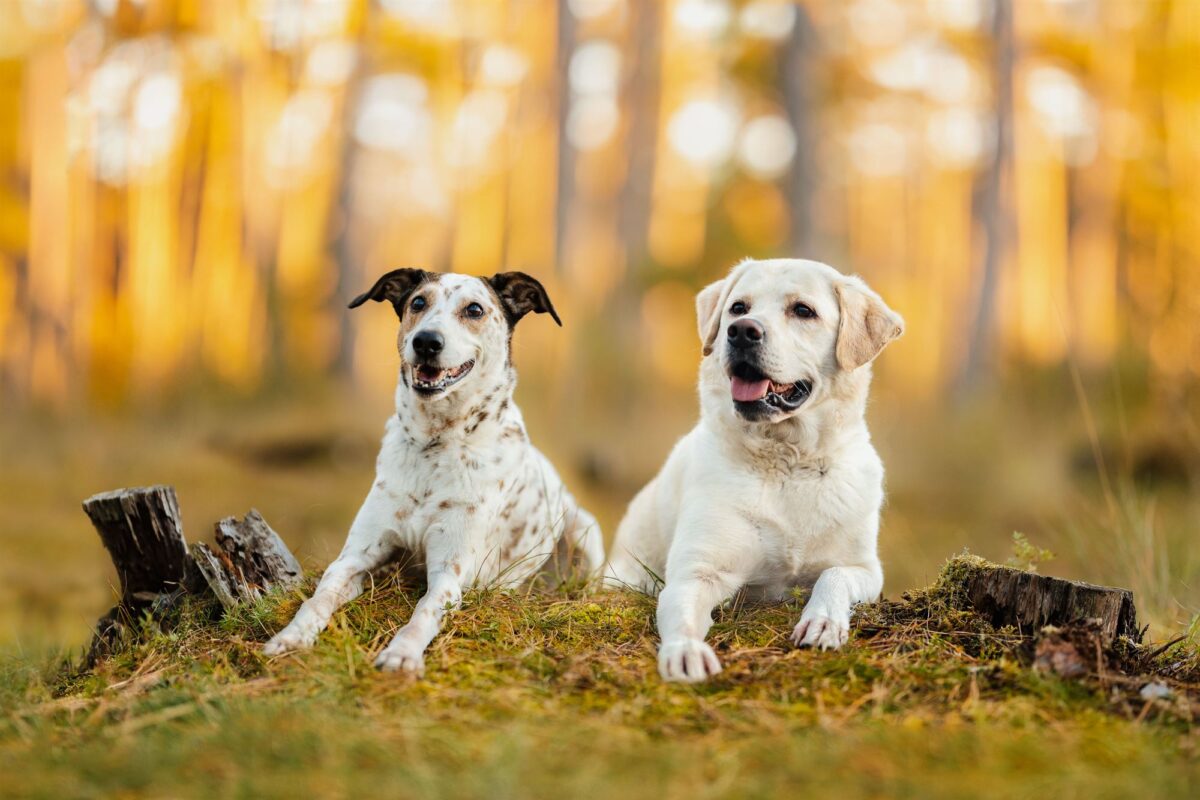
x,y
555,694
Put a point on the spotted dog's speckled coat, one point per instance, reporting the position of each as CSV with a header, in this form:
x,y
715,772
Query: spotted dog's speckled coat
x,y
457,480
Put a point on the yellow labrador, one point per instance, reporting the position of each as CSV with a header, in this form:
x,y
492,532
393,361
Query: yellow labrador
x,y
778,485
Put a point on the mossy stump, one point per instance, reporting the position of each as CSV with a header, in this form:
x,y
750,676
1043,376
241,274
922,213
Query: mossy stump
x,y
1008,597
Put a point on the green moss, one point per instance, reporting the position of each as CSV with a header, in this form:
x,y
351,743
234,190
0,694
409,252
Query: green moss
x,y
523,682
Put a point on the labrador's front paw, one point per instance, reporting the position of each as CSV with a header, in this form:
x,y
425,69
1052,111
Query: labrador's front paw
x,y
819,630
687,660
290,639
401,657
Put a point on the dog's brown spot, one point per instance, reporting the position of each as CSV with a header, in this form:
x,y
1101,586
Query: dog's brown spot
x,y
456,567
444,504
508,509
479,419
381,484
471,509
512,432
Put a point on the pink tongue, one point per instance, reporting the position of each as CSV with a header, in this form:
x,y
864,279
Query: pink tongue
x,y
748,391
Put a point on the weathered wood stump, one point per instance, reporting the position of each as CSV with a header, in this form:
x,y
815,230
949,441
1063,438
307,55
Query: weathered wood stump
x,y
1025,600
250,559
143,533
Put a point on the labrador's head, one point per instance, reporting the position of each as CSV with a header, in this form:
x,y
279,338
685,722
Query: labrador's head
x,y
455,328
783,330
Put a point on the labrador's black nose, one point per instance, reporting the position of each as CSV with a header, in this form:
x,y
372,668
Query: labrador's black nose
x,y
745,333
427,344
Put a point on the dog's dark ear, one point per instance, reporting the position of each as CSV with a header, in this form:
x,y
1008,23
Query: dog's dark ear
x,y
519,294
395,287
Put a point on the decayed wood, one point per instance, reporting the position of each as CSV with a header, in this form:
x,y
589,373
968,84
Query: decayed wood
x,y
1025,600
257,551
142,532
250,558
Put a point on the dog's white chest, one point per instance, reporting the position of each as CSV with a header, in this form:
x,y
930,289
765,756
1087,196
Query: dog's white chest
x,y
806,524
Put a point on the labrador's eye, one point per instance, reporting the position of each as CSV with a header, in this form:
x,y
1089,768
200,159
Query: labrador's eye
x,y
803,311
418,304
474,311
738,308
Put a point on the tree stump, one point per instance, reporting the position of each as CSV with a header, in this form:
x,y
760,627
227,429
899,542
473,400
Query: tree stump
x,y
249,559
1006,596
142,531
143,534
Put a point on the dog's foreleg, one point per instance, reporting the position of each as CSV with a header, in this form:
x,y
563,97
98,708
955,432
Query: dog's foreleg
x,y
342,582
586,540
684,616
825,621
450,562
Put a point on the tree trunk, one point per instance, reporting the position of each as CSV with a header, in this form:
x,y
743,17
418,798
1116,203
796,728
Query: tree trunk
x,y
642,88
564,190
796,80
992,208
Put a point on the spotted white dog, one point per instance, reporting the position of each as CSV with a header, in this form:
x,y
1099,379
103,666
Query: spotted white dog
x,y
778,485
457,481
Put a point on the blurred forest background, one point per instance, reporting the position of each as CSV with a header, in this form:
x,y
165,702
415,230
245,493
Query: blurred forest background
x,y
191,190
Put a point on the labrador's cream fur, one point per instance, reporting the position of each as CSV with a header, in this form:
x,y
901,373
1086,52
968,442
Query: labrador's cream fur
x,y
768,504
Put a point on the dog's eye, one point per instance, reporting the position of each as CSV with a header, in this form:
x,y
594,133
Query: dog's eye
x,y
738,308
418,304
474,311
803,311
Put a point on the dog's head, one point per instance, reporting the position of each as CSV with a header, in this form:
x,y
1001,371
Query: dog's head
x,y
785,330
455,329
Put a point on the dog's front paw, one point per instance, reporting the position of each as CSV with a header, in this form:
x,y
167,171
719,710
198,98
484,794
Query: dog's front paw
x,y
687,660
820,630
288,640
401,657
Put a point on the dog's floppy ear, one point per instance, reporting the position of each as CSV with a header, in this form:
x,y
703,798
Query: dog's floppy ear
x,y
866,325
709,304
395,287
519,294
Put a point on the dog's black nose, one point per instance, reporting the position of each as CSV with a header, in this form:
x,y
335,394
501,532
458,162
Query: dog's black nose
x,y
428,344
745,333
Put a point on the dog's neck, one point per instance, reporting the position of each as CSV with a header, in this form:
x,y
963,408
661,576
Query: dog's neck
x,y
475,413
810,441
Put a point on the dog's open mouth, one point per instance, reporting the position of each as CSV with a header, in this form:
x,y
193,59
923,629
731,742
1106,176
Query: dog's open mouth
x,y
428,379
755,393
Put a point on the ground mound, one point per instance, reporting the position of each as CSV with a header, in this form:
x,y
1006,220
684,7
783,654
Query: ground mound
x,y
555,693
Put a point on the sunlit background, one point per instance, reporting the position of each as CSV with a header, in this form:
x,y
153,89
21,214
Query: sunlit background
x,y
190,191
